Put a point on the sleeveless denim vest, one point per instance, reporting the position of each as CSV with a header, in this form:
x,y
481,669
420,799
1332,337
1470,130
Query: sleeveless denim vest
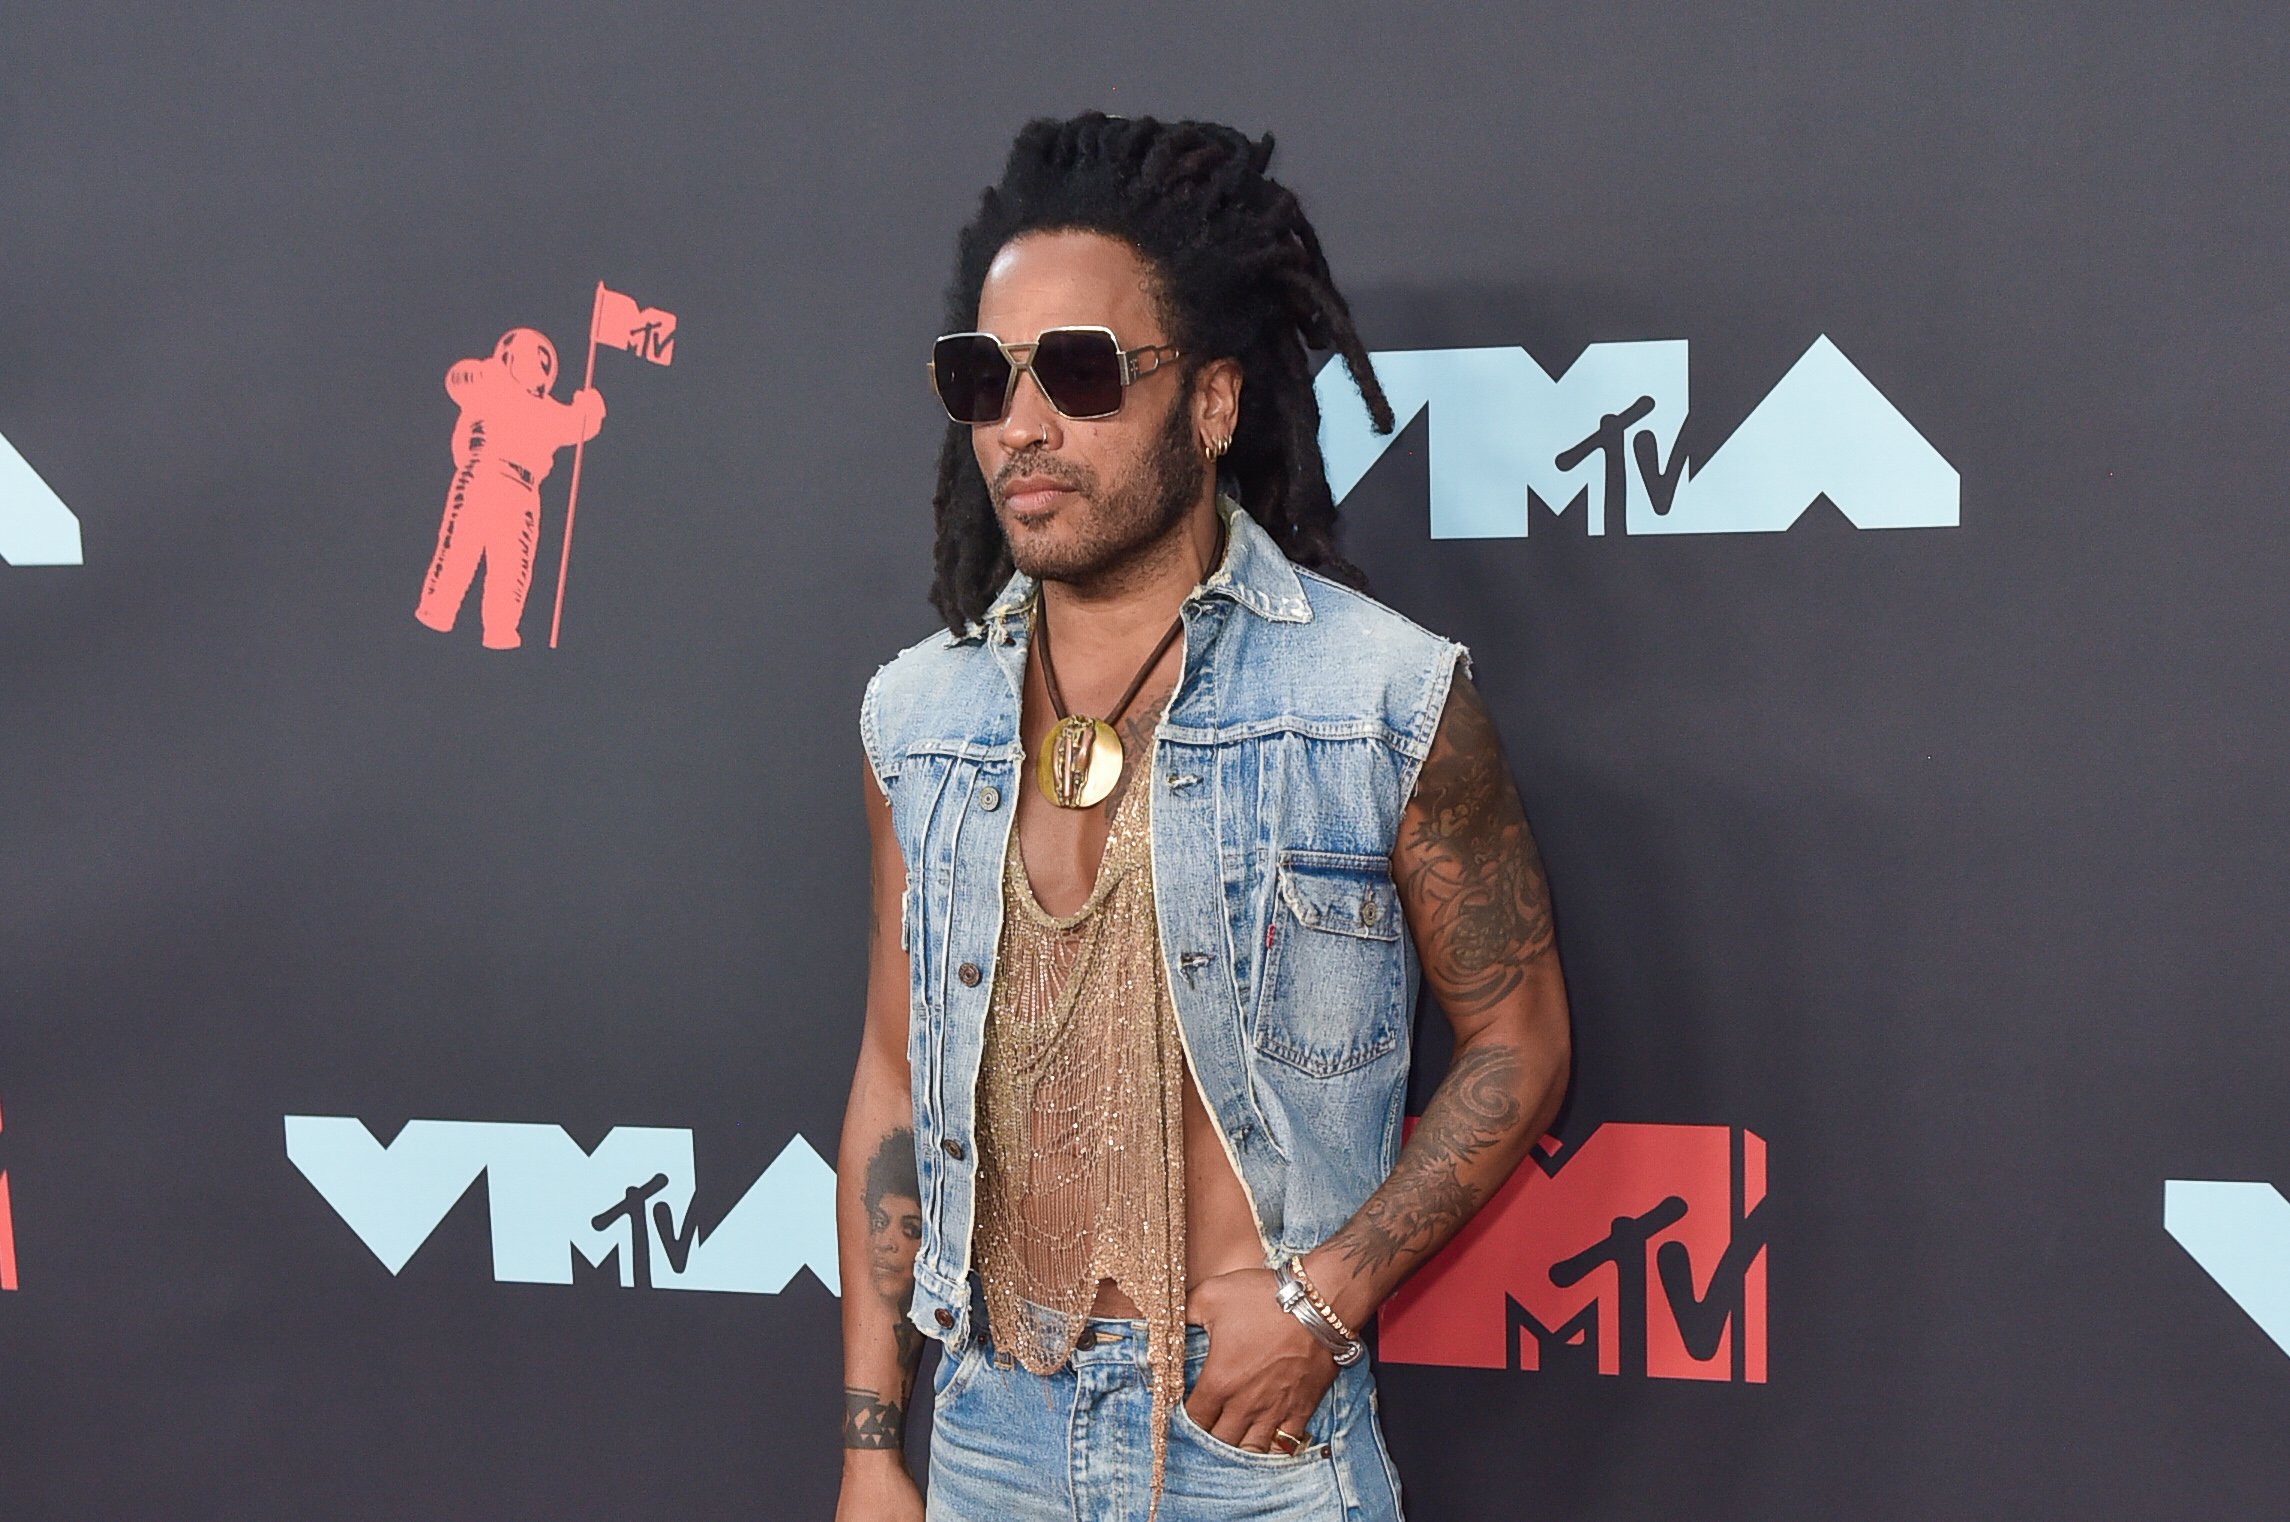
x,y
1302,715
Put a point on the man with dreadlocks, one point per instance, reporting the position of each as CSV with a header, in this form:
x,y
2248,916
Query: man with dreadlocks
x,y
1165,823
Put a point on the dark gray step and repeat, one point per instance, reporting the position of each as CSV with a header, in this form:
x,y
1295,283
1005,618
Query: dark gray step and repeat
x,y
431,862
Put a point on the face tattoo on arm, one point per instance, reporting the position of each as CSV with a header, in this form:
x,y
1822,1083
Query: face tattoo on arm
x,y
893,1198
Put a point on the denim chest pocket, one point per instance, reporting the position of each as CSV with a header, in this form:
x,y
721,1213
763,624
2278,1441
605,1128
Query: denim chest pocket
x,y
1333,971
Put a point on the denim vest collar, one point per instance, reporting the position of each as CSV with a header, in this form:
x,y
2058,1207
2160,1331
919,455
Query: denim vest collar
x,y
1253,573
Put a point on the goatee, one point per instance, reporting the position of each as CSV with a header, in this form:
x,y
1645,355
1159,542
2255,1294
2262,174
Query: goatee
x,y
1119,524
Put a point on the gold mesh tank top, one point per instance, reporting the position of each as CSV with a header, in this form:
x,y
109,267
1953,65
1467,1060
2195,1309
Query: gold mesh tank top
x,y
1081,1125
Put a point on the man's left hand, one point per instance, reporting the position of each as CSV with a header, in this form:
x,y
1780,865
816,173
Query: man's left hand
x,y
1264,1370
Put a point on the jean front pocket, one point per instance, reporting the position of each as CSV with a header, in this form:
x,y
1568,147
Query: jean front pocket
x,y
1181,1421
955,1370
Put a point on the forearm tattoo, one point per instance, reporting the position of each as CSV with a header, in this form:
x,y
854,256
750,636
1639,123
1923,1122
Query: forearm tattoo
x,y
893,1197
1432,1192
1467,865
869,1421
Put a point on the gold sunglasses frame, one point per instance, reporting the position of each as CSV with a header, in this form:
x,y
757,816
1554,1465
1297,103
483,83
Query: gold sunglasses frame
x,y
1023,364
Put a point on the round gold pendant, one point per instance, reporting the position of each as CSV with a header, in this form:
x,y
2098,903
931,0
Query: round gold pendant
x,y
1079,762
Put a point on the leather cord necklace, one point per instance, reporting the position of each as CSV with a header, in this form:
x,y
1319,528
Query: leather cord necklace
x,y
1079,761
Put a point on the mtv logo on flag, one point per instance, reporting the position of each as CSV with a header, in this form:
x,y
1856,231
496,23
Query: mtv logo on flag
x,y
622,324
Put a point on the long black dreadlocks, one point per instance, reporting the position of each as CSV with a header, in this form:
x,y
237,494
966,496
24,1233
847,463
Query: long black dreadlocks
x,y
1241,276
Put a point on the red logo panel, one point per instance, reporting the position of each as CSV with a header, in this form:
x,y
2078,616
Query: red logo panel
x,y
7,1237
1640,1251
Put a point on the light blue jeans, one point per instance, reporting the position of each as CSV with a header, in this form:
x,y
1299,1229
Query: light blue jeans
x,y
1076,1446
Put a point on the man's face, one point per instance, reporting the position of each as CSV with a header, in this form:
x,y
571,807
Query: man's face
x,y
1078,499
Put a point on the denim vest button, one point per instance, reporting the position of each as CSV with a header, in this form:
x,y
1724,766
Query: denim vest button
x,y
989,798
954,1149
969,974
944,1317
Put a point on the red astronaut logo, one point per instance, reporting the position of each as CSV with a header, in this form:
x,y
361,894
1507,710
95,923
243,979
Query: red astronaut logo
x,y
7,1237
505,444
1638,1251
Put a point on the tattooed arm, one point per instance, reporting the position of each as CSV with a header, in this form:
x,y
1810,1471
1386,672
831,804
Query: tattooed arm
x,y
878,1216
1472,883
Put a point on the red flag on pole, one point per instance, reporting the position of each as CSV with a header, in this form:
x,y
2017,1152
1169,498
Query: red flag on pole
x,y
645,331
616,322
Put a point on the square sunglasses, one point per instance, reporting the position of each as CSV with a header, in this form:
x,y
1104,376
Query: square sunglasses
x,y
1082,370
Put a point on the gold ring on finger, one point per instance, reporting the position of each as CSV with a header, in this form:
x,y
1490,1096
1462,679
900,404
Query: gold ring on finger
x,y
1295,1443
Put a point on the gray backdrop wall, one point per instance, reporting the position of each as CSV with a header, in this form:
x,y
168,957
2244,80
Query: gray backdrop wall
x,y
1932,875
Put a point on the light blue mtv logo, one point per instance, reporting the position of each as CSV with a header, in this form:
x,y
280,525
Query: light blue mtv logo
x,y
549,1199
1504,430
2240,1234
35,526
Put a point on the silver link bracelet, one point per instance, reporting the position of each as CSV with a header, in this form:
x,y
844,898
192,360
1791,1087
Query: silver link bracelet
x,y
1290,1293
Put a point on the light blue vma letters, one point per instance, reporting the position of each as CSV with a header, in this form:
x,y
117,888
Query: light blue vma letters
x,y
1605,433
549,1198
35,526
2240,1234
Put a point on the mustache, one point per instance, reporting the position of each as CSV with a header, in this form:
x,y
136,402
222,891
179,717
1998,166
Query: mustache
x,y
1032,462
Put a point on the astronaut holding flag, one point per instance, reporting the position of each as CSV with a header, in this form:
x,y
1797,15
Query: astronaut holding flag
x,y
504,446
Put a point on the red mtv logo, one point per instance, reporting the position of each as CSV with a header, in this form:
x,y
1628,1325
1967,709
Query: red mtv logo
x,y
1641,1251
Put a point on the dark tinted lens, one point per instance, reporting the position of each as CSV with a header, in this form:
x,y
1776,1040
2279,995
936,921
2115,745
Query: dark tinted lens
x,y
973,377
1080,370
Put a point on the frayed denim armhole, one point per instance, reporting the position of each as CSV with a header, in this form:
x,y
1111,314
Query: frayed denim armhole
x,y
870,729
1452,660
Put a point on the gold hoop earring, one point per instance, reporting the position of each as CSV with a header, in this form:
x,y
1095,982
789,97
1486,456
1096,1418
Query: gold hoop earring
x,y
1214,450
